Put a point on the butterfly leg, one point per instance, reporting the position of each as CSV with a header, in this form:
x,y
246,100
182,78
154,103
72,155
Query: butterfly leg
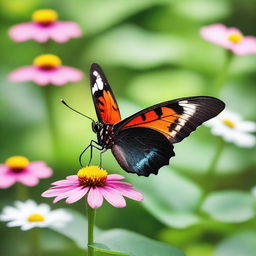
x,y
89,146
101,156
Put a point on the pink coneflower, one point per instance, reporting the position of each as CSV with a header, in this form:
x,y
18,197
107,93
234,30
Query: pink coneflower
x,y
20,169
45,26
229,38
46,69
97,184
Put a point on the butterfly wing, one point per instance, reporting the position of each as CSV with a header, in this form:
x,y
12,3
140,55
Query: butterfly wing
x,y
142,150
143,142
104,101
175,119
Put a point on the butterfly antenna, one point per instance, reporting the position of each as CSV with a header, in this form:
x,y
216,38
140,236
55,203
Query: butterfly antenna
x,y
64,102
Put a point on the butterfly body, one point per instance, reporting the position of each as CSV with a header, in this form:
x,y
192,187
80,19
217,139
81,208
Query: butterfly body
x,y
143,142
105,135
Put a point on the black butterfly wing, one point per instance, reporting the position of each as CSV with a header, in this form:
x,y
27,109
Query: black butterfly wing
x,y
141,150
104,100
175,119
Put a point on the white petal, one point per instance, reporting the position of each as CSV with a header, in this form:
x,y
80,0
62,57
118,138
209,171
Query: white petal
x,y
27,226
247,126
44,209
15,223
245,140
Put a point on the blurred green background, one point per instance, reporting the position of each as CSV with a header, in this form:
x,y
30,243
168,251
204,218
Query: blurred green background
x,y
151,51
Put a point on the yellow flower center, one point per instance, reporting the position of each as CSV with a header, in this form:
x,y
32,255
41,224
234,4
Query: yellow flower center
x,y
47,61
229,123
36,218
45,16
235,38
17,163
92,176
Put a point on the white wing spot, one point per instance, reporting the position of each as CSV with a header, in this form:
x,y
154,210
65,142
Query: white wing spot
x,y
98,85
189,110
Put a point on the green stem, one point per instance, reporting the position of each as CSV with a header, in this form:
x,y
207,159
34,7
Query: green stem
x,y
47,94
215,159
221,78
91,219
21,192
35,242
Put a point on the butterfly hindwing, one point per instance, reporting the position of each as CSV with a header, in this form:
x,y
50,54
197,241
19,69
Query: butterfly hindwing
x,y
175,119
104,100
142,150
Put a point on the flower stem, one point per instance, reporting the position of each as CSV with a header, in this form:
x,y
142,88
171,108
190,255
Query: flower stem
x,y
35,242
21,192
91,219
47,94
223,73
215,159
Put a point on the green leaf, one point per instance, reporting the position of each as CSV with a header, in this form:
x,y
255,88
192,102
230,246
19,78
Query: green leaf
x,y
232,160
103,248
230,206
134,47
165,85
241,244
114,241
96,15
164,200
203,10
134,244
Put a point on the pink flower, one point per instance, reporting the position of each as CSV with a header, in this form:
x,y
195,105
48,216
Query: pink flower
x,y
44,27
46,69
19,169
97,184
229,38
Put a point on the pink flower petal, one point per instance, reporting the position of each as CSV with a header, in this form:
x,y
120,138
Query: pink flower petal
x,y
58,76
6,180
52,192
3,169
27,31
77,195
246,46
115,177
64,75
112,197
128,192
39,169
95,198
116,182
63,31
63,182
218,34
67,194
72,177
27,179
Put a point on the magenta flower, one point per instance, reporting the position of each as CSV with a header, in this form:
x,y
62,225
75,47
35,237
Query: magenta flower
x,y
45,26
97,184
229,38
46,69
19,169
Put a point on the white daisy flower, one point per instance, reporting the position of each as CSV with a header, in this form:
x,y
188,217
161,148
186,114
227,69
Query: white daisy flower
x,y
28,215
232,128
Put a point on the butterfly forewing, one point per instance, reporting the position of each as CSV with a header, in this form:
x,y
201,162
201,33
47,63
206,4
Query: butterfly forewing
x,y
175,119
105,103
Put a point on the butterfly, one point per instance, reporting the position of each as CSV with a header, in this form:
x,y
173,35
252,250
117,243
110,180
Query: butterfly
x,y
143,142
